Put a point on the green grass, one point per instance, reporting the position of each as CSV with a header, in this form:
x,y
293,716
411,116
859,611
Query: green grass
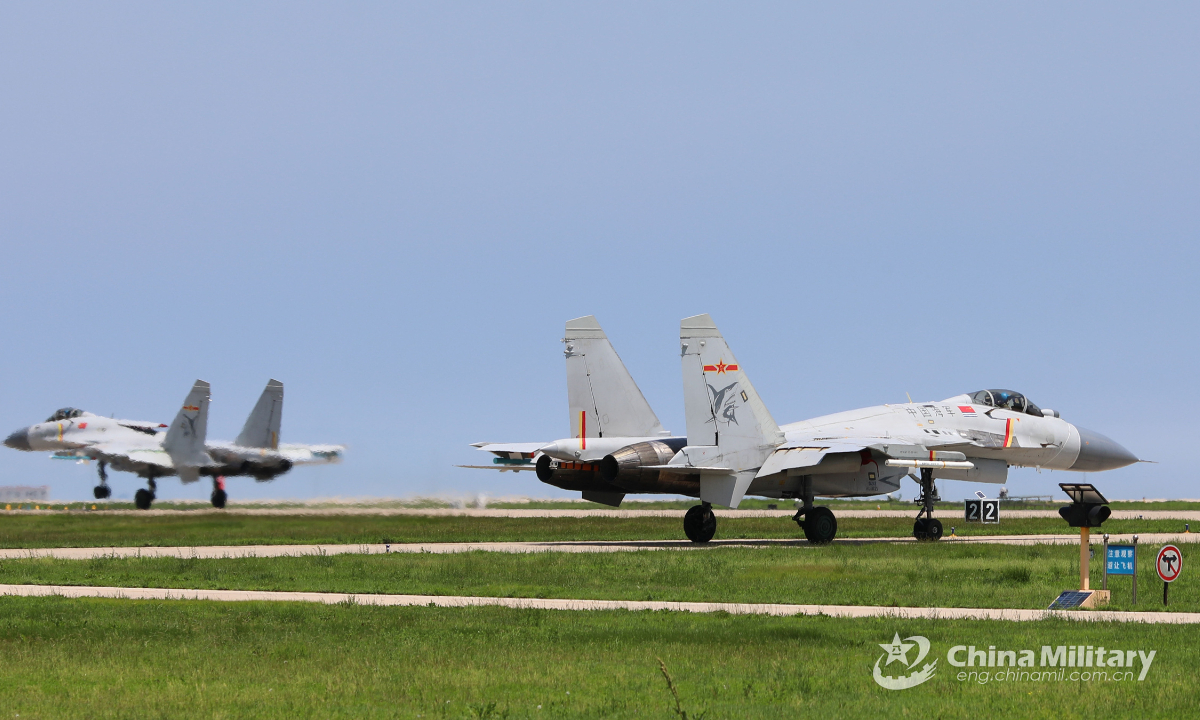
x,y
551,504
112,658
99,529
922,575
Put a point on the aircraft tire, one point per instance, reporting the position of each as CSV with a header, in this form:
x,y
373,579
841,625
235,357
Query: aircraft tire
x,y
218,498
820,526
920,531
101,491
934,530
142,499
700,524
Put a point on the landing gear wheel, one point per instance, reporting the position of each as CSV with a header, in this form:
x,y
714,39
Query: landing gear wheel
x,y
820,526
218,498
101,491
142,499
927,529
700,523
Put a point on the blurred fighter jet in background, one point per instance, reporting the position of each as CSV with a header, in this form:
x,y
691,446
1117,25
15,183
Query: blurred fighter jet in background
x,y
183,450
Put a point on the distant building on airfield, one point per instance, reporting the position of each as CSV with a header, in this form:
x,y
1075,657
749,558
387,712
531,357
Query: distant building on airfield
x,y
23,493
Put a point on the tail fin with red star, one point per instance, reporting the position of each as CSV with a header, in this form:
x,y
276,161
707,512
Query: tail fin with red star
x,y
724,413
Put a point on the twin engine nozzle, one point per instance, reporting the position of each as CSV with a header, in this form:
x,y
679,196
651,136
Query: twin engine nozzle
x,y
630,463
630,469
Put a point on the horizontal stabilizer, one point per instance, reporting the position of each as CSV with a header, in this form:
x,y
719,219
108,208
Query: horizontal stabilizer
x,y
512,451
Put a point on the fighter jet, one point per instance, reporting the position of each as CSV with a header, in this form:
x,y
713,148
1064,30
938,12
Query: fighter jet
x,y
735,448
141,448
609,416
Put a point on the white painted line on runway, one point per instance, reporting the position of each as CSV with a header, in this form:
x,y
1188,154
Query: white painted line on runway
x,y
573,546
841,611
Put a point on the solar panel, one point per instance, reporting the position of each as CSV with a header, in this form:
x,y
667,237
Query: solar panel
x,y
1083,492
1070,599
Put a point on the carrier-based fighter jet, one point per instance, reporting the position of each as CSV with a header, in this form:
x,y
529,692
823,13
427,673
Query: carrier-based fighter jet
x,y
183,450
608,416
734,447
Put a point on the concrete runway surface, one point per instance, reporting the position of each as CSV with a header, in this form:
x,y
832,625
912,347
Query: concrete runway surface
x,y
573,546
844,611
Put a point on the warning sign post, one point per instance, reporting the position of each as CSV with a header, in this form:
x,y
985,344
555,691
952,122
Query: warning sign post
x,y
1168,565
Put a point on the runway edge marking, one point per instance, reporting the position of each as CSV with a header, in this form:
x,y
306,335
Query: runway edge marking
x,y
779,610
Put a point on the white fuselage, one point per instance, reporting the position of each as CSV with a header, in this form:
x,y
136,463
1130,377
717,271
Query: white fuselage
x,y
993,438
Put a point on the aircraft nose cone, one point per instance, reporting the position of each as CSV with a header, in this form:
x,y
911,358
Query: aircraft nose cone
x,y
19,440
1097,453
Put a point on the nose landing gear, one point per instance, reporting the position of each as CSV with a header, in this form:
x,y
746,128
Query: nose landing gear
x,y
102,490
927,527
218,493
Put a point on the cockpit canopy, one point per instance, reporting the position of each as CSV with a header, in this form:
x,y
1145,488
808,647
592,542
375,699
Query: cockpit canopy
x,y
66,413
1007,400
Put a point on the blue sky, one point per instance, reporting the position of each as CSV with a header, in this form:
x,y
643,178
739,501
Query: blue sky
x,y
394,208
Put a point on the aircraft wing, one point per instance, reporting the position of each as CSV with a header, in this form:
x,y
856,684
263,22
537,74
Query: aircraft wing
x,y
509,456
310,454
131,458
810,452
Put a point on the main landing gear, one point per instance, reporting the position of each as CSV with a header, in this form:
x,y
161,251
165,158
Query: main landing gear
x,y
142,498
102,490
818,523
927,527
218,493
700,523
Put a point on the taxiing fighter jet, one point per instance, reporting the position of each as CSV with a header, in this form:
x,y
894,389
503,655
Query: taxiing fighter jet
x,y
182,451
735,448
608,415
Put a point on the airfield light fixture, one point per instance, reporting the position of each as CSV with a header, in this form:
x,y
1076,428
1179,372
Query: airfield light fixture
x,y
1088,509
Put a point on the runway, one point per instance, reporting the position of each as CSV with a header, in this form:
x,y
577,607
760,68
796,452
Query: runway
x,y
909,512
780,610
573,546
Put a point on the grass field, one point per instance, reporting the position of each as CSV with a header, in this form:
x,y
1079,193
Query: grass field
x,y
98,529
883,575
629,504
110,658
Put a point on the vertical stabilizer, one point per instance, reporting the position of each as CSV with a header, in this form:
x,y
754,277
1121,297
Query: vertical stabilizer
x,y
262,427
728,425
185,438
604,400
